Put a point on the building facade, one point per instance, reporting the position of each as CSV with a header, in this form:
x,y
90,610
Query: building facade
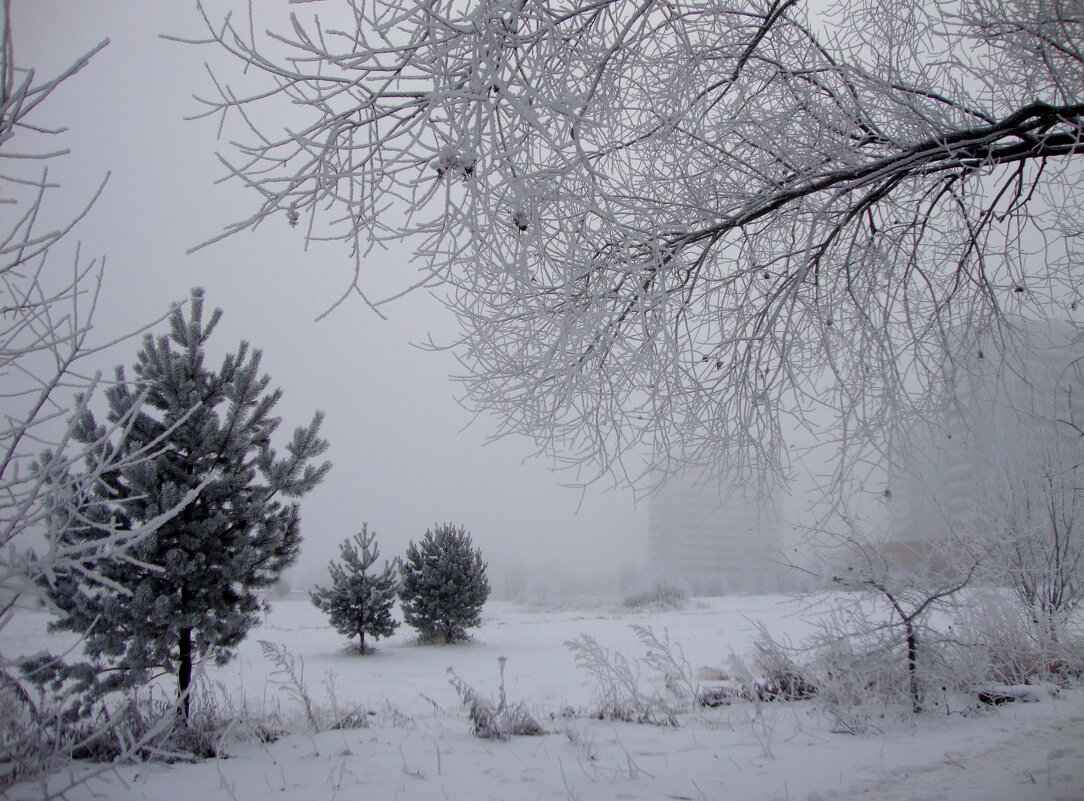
x,y
1018,400
713,546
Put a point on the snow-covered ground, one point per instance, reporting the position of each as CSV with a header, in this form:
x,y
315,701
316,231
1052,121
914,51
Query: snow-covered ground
x,y
418,742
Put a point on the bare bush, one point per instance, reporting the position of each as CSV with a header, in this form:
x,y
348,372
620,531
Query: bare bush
x,y
619,693
1029,512
783,678
860,672
662,596
868,667
775,675
138,726
894,590
999,643
668,660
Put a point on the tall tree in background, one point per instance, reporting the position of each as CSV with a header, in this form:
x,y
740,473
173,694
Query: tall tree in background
x,y
359,602
681,228
187,591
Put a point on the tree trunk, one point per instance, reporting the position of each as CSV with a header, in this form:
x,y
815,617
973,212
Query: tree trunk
x,y
912,665
184,673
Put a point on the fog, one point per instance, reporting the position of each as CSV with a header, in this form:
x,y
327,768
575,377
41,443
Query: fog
x,y
406,455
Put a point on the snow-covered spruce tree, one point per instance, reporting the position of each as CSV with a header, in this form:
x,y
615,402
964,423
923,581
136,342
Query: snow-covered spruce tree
x,y
444,584
359,602
186,592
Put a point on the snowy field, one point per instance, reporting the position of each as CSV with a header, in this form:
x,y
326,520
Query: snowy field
x,y
417,743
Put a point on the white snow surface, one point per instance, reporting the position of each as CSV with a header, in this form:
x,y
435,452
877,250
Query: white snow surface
x,y
418,742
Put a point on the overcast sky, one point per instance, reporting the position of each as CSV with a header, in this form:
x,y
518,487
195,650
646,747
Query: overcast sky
x,y
402,460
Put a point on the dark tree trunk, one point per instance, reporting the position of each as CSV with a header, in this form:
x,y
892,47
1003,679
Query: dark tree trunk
x,y
912,665
184,673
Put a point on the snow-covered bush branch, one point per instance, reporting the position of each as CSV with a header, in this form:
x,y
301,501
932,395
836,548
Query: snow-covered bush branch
x,y
289,678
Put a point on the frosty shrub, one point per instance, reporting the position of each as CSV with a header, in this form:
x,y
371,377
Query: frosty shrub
x,y
139,724
662,596
866,666
667,659
775,675
444,584
620,693
150,720
858,677
495,722
1000,643
359,600
186,592
1029,497
781,677
895,597
784,679
28,735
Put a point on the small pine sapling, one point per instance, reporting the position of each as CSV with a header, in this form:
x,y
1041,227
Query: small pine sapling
x,y
359,601
444,584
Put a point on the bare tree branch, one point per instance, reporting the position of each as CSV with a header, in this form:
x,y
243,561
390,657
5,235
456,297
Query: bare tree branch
x,y
674,233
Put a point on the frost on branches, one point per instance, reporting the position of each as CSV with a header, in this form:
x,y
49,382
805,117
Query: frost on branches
x,y
359,602
187,592
685,228
49,291
444,584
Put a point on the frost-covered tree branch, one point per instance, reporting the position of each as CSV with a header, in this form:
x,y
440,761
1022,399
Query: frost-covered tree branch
x,y
48,295
681,230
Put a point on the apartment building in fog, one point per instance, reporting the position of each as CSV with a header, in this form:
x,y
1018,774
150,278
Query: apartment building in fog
x,y
1035,377
713,546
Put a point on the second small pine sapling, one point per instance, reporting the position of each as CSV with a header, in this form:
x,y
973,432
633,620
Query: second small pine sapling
x,y
444,585
359,600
